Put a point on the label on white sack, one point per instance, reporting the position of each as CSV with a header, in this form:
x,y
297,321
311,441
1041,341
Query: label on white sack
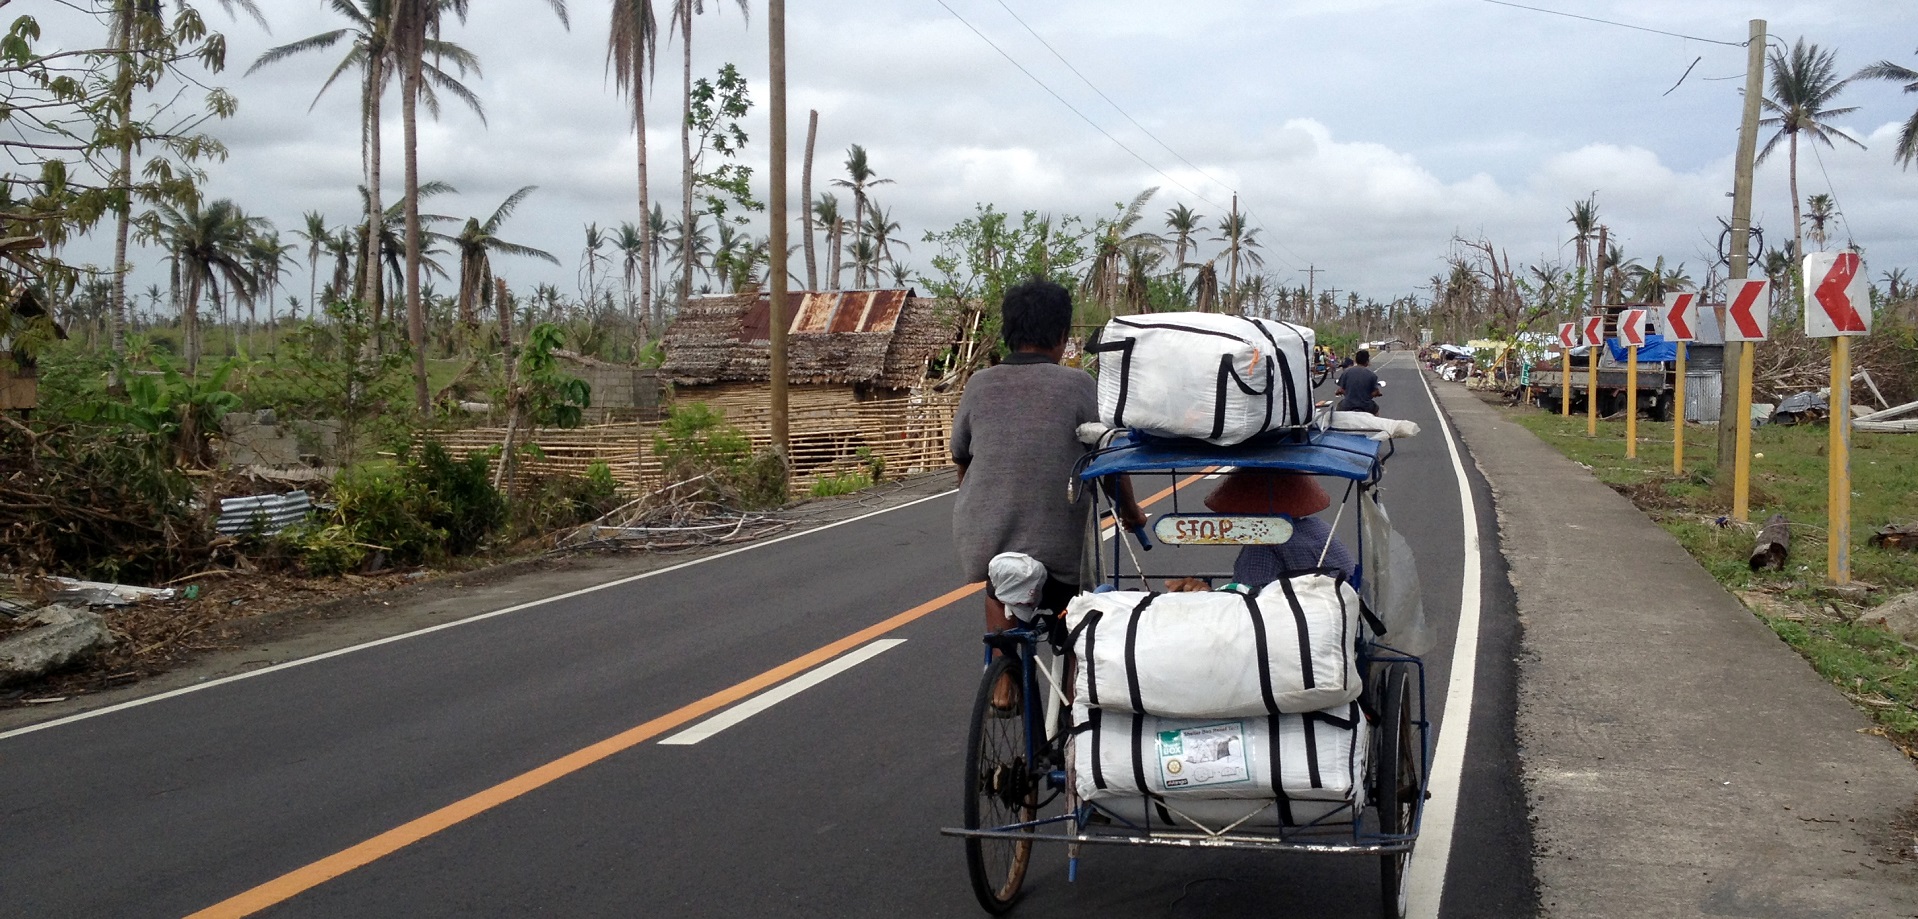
x,y
1199,757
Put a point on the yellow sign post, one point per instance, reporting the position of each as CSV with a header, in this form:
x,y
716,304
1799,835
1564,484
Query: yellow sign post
x,y
1631,401
1631,334
1567,340
1678,413
1747,320
1838,306
1595,338
1677,325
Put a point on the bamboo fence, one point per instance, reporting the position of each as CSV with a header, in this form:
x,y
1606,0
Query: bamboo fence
x,y
827,433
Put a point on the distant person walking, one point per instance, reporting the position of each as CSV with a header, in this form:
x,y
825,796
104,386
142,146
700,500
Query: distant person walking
x,y
1359,387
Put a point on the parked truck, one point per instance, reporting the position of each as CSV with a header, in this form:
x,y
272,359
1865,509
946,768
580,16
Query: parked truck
x,y
1655,378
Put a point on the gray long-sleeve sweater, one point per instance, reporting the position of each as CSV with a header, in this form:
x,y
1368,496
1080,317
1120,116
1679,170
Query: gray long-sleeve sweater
x,y
1015,432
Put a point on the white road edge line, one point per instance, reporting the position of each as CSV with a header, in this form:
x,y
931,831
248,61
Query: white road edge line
x,y
1426,877
338,652
780,693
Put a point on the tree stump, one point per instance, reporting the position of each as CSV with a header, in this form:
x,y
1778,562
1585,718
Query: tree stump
x,y
1774,544
1896,536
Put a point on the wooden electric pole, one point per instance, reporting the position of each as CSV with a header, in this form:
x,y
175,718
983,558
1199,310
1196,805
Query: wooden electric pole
x,y
1732,378
777,320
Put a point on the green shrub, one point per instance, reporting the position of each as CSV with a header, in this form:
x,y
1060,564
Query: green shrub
x,y
551,502
461,501
840,484
695,440
422,510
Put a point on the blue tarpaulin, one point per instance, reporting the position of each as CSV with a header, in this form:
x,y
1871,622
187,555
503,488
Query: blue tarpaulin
x,y
1655,349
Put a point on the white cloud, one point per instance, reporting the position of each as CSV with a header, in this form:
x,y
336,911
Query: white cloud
x,y
1360,136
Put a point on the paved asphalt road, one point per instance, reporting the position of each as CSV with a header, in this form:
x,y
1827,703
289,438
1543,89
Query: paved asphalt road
x,y
825,804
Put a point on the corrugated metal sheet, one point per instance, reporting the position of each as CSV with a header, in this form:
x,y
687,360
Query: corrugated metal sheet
x,y
828,311
268,513
1702,391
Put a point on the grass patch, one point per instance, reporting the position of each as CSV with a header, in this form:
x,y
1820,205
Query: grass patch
x,y
1875,669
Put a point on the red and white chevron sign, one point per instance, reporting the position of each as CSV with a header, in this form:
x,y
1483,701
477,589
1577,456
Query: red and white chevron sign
x,y
1568,335
1837,296
1677,317
1594,330
1631,328
1748,310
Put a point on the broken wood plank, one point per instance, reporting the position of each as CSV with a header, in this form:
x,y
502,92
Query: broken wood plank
x,y
1774,544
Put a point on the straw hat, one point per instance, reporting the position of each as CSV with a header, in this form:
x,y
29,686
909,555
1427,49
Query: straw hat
x,y
1264,491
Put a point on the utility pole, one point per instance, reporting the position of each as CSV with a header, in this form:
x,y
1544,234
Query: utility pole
x,y
776,40
1311,274
1734,430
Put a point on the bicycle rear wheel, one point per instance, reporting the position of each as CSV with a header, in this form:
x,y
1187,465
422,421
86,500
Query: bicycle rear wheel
x,y
1397,761
1001,790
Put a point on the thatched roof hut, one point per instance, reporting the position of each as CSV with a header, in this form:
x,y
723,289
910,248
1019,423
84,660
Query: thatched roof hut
x,y
869,339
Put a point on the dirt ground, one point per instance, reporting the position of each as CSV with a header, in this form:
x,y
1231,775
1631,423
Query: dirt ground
x,y
244,622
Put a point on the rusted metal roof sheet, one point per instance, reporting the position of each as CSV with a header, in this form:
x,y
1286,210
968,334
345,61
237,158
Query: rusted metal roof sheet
x,y
828,311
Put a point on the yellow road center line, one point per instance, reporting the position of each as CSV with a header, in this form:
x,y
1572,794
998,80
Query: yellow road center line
x,y
300,880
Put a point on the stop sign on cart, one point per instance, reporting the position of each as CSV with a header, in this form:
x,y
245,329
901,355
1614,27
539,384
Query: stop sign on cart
x,y
1837,296
1677,316
1631,328
1568,335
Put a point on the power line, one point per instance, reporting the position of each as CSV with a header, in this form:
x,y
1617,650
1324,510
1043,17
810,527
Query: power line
x,y
1062,101
1849,235
1622,25
1116,107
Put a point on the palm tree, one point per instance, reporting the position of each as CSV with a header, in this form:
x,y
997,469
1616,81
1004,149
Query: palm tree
x,y
826,210
880,227
862,257
416,33
860,178
683,12
632,44
590,257
374,54
1241,245
266,258
342,246
316,234
1183,222
1896,286
134,24
1803,85
1823,209
1114,240
630,242
208,245
1650,285
476,244
690,241
1907,150
1583,216
656,230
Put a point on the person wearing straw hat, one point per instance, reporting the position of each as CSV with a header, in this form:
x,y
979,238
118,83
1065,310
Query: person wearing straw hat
x,y
1266,492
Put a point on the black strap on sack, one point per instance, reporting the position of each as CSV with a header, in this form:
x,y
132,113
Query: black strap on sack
x,y
1306,676
1278,771
1124,347
1092,636
1264,652
1290,411
1372,619
1228,372
1138,755
1132,653
1346,724
1097,722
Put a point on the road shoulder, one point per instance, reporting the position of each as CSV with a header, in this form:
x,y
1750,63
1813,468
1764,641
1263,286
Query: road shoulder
x,y
1679,759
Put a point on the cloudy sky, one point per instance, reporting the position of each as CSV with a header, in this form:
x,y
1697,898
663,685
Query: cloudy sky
x,y
1360,135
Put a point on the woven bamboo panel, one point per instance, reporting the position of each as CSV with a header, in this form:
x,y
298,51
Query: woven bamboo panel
x,y
827,435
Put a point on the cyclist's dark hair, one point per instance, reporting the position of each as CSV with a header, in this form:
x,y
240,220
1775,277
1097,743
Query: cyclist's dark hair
x,y
1036,313
1364,357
